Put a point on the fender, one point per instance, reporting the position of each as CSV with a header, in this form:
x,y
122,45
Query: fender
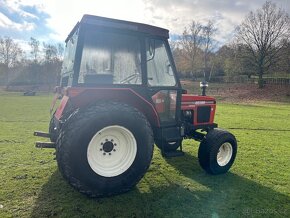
x,y
82,97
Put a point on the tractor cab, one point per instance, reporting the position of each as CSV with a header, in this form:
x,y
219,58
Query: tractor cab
x,y
127,62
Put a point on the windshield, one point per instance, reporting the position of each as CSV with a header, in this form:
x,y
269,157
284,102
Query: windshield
x,y
110,58
159,67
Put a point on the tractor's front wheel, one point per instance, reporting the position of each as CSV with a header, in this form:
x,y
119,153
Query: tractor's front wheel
x,y
101,151
217,151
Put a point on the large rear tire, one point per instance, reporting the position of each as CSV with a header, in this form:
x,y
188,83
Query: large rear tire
x,y
52,130
102,152
217,151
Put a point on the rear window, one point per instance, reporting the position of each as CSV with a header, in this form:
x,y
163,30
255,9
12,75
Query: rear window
x,y
110,58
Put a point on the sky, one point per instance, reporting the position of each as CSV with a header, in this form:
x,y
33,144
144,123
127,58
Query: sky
x,y
52,20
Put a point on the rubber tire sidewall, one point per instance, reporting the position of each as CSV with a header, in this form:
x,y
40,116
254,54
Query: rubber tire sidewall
x,y
52,132
209,147
75,137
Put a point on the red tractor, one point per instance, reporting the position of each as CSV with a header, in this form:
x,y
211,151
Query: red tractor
x,y
120,94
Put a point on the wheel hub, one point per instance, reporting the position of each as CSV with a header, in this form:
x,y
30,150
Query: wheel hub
x,y
224,154
108,146
111,151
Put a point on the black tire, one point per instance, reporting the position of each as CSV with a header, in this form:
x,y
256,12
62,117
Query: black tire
x,y
210,147
52,131
168,146
75,139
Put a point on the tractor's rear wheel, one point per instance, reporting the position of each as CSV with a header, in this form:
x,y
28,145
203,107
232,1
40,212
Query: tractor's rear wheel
x,y
217,151
101,151
168,146
52,130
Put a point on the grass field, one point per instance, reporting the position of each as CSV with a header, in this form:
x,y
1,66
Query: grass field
x,y
258,185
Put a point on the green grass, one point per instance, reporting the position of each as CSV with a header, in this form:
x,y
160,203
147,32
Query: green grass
x,y
256,186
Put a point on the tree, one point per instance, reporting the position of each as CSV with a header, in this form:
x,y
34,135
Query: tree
x,y
50,52
52,63
60,51
10,54
264,34
196,44
208,32
34,44
190,43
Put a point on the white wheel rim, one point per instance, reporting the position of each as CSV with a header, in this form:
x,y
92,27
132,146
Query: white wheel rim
x,y
224,154
111,151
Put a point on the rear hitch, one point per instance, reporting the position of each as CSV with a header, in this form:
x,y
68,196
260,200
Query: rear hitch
x,y
45,145
41,134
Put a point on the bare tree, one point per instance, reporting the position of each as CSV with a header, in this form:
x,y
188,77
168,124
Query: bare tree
x,y
196,43
50,52
190,43
60,51
10,54
208,32
264,32
34,44
53,62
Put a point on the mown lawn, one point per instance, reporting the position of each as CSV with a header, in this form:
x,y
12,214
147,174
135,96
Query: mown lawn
x,y
258,184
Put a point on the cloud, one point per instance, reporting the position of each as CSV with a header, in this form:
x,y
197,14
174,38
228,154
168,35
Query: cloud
x,y
53,19
23,19
16,7
5,22
63,17
227,14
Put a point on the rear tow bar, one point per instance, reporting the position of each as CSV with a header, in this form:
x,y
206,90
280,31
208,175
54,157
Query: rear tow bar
x,y
43,144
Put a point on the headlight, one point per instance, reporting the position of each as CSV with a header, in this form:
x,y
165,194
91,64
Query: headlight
x,y
188,113
188,116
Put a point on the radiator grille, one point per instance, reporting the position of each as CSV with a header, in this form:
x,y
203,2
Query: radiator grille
x,y
203,114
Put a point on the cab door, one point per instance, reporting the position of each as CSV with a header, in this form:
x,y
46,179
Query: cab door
x,y
162,81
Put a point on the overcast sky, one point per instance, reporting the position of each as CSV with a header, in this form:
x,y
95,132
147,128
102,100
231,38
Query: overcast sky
x,y
52,20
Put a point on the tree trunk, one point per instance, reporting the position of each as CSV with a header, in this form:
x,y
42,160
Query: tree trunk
x,y
260,80
6,75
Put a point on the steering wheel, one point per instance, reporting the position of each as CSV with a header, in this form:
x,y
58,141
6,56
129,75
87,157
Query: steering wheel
x,y
128,79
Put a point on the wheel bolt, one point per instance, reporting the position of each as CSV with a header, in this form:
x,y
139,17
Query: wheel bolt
x,y
109,153
114,149
101,149
102,143
115,144
104,153
112,140
107,140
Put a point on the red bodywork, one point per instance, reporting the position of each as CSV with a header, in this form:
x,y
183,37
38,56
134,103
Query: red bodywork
x,y
193,102
82,97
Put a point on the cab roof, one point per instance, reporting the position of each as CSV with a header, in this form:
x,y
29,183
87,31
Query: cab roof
x,y
121,24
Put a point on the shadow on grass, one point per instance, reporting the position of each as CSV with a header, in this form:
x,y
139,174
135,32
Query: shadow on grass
x,y
192,193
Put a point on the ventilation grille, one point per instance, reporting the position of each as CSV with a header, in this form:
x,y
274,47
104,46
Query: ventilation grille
x,y
203,114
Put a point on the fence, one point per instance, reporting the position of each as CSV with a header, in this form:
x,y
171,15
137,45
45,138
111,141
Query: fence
x,y
245,79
